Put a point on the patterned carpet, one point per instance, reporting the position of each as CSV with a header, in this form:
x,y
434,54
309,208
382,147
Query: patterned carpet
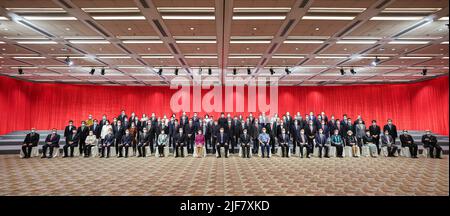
x,y
232,176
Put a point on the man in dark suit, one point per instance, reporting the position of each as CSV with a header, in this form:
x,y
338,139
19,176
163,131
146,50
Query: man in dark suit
x,y
122,116
222,141
295,135
236,132
144,140
388,141
180,142
83,132
310,132
96,129
69,128
375,132
283,141
71,142
107,143
125,143
245,140
408,141
430,141
103,121
52,141
118,131
392,129
222,120
189,130
215,131
31,140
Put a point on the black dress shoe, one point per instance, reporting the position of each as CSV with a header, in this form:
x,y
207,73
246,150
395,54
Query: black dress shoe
x,y
43,157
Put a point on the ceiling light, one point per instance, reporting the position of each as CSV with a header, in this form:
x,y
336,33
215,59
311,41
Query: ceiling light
x,y
92,71
118,17
160,71
186,9
250,41
249,71
444,42
356,42
142,41
443,19
200,56
261,9
287,70
176,72
174,17
48,18
352,71
2,42
335,10
73,57
89,41
424,71
3,18
114,57
20,70
29,57
209,71
37,42
328,17
244,56
331,57
68,61
195,41
158,56
303,41
272,72
102,72
376,61
259,17
408,42
234,71
415,57
287,57
396,18
342,71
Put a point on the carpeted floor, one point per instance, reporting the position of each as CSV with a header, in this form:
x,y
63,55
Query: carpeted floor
x,y
232,176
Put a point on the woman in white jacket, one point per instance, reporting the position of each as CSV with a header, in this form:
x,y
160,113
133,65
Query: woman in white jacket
x,y
105,130
91,142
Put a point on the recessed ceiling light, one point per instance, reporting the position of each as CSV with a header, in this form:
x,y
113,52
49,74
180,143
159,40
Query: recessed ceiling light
x,y
415,57
129,29
114,57
67,29
157,56
261,9
408,42
244,56
443,19
287,57
317,28
254,29
195,41
328,17
118,17
37,42
259,17
331,57
142,41
174,17
444,42
45,18
201,56
89,41
248,48
396,18
29,57
304,41
6,29
186,9
249,41
356,41
3,18
192,28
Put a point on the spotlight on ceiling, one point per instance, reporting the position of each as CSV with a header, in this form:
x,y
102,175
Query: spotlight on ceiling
x,y
287,70
102,72
209,71
424,71
176,71
352,71
234,71
376,61
272,72
68,61
200,71
92,71
20,71
160,71
249,71
342,71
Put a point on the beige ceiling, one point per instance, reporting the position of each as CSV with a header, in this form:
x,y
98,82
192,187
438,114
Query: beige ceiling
x,y
314,39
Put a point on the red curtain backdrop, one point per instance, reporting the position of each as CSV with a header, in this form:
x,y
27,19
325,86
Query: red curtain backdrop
x,y
417,106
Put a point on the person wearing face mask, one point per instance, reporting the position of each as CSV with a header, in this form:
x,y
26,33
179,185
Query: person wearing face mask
x,y
105,130
430,141
180,142
108,141
51,141
96,129
125,143
69,128
119,131
310,132
321,143
189,129
122,116
264,142
337,141
144,140
163,140
392,129
91,142
303,142
295,135
407,141
229,132
134,135
89,121
222,141
103,121
71,142
375,131
283,141
388,141
360,131
199,143
254,133
369,141
351,141
245,140
31,140
83,132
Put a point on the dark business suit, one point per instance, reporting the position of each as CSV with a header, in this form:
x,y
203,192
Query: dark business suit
x,y
125,143
295,133
107,143
321,141
245,140
430,141
189,130
222,141
311,135
118,134
375,134
388,141
30,141
54,140
71,142
283,141
408,141
96,129
68,130
180,142
83,132
144,140
392,129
